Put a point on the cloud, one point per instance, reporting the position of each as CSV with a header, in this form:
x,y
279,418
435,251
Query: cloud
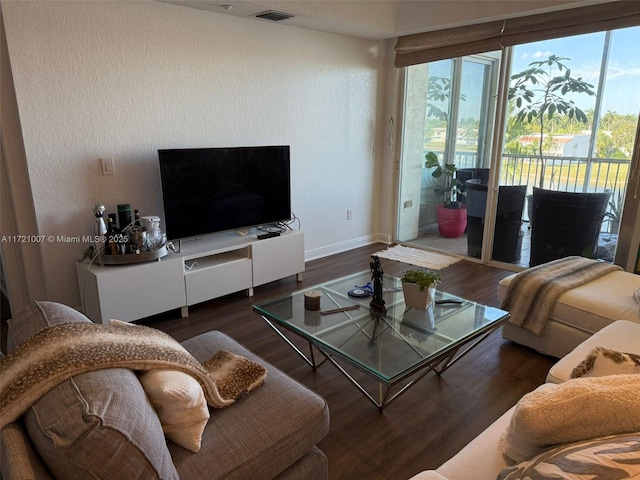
x,y
588,72
542,54
591,72
615,71
538,54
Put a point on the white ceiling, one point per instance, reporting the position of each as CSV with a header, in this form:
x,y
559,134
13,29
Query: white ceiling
x,y
380,19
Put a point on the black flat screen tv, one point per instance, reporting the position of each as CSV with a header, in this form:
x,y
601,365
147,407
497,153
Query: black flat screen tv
x,y
208,190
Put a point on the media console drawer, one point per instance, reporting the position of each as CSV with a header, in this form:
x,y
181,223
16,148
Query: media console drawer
x,y
217,275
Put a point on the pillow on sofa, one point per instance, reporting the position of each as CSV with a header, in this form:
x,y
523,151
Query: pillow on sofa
x,y
636,297
588,459
95,423
575,410
39,315
180,404
602,361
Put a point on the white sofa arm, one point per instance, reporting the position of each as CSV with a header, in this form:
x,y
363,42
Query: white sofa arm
x,y
428,475
621,335
480,459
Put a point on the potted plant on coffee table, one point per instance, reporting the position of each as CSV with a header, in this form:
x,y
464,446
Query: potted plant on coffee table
x,y
419,288
451,213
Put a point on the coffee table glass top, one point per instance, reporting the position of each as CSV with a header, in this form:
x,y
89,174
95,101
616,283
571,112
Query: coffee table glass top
x,y
389,346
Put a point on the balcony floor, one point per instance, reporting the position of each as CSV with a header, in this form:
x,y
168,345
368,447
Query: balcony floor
x,y
430,238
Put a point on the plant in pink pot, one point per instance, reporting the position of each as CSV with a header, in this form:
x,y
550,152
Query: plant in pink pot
x,y
452,213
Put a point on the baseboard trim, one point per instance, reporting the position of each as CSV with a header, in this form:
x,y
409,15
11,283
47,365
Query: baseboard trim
x,y
322,252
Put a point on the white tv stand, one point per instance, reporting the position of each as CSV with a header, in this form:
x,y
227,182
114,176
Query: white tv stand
x,y
204,269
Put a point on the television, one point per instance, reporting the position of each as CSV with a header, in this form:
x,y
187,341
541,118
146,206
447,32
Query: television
x,y
209,190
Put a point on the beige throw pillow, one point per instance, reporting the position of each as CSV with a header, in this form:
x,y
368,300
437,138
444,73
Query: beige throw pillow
x,y
179,402
578,409
602,361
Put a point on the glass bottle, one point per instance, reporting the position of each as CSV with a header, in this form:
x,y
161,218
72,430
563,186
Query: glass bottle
x,y
124,216
114,222
112,244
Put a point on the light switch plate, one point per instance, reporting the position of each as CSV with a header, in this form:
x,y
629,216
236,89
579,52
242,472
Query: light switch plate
x,y
107,166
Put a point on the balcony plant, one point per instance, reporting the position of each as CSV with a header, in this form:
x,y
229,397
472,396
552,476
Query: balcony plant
x,y
614,214
537,96
452,213
419,288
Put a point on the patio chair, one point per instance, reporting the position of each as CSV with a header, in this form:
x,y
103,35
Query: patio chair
x,y
507,239
464,174
565,223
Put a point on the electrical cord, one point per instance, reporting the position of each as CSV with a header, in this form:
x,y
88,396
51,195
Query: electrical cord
x,y
293,220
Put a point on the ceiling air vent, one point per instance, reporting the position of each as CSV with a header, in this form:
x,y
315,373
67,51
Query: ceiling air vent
x,y
274,15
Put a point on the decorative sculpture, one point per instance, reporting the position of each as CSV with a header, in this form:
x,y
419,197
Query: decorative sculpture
x,y
99,228
377,303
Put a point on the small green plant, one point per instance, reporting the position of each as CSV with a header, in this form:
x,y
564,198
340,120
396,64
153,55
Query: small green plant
x,y
451,191
615,212
424,278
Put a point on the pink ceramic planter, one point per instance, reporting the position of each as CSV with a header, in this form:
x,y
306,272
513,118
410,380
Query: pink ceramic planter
x,y
451,221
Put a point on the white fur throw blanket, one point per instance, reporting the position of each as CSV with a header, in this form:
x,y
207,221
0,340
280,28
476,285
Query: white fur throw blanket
x,y
62,351
575,410
533,293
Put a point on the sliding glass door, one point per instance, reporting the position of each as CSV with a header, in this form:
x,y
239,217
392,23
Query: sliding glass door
x,y
568,126
449,110
573,113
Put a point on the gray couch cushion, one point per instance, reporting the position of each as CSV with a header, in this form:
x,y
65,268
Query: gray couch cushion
x,y
313,466
18,457
38,316
263,433
96,423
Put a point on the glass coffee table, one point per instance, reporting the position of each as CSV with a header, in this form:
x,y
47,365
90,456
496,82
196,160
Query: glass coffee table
x,y
397,348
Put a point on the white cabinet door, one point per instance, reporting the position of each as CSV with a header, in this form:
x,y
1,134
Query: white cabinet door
x,y
131,292
277,257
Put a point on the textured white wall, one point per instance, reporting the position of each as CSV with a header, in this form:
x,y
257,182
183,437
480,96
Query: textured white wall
x,y
123,79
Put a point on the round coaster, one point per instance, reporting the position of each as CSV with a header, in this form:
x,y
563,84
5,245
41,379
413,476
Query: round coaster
x,y
359,293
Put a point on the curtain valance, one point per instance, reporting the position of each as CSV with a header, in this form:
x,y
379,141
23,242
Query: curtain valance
x,y
489,36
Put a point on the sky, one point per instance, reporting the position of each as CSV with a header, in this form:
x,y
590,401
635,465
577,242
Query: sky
x,y
585,52
622,85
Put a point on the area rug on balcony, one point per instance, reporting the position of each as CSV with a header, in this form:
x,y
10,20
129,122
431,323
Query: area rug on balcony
x,y
419,258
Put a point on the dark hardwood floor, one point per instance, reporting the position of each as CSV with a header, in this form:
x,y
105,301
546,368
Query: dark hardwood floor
x,y
421,429
424,427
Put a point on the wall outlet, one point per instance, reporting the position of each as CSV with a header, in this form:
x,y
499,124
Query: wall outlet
x,y
349,214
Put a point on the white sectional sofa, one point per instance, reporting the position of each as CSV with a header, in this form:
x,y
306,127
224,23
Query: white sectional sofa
x,y
483,459
579,313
